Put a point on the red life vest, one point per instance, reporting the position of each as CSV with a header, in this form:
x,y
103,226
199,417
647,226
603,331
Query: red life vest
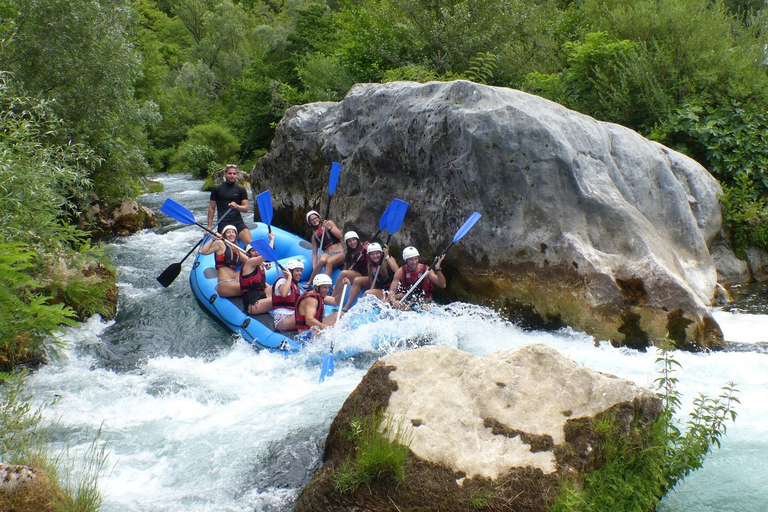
x,y
301,320
229,258
256,280
357,261
409,279
289,301
329,239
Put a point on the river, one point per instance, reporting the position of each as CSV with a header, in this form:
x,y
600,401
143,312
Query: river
x,y
195,420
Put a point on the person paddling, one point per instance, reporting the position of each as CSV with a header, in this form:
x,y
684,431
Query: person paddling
x,y
230,195
227,260
310,308
409,274
355,261
327,234
285,294
381,268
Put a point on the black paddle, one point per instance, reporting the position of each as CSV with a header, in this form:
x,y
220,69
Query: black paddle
x,y
170,274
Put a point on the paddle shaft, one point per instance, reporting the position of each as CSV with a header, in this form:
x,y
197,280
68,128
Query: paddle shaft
x,y
327,211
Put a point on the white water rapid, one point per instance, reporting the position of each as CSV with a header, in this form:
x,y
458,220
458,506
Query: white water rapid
x,y
197,421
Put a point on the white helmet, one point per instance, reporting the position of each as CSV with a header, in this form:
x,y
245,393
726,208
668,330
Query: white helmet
x,y
311,213
294,264
321,279
373,247
249,247
350,234
410,252
227,228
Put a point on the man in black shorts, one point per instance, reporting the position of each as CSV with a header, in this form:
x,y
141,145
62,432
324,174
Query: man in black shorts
x,y
230,195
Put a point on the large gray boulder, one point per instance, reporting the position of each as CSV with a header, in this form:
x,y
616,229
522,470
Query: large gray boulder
x,y
509,427
585,223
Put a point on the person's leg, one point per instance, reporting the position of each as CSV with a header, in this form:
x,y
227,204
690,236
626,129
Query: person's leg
x,y
376,292
333,261
358,284
260,306
229,288
345,274
285,322
245,236
321,261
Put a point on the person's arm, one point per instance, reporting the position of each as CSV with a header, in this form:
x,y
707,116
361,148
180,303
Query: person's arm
x,y
334,301
331,226
390,260
284,288
436,276
396,282
211,210
210,245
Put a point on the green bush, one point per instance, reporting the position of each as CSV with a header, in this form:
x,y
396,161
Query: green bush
x,y
636,469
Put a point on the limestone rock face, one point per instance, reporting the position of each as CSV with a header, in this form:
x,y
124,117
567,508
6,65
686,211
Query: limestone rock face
x,y
124,219
585,223
511,424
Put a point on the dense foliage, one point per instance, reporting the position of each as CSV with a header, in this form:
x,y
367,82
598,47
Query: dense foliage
x,y
187,86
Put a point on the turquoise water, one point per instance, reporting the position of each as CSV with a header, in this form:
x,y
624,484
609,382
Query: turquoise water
x,y
195,420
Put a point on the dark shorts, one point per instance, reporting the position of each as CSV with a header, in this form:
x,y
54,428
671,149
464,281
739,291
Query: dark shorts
x,y
253,296
239,224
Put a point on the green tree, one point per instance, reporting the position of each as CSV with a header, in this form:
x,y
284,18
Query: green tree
x,y
77,53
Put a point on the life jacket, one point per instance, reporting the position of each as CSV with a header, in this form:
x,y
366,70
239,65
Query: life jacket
x,y
256,280
289,301
409,279
329,239
357,261
301,320
382,281
229,258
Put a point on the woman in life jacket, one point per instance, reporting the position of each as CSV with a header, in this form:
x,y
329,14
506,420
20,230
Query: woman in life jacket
x,y
381,267
257,295
227,258
285,294
409,274
327,232
355,260
310,308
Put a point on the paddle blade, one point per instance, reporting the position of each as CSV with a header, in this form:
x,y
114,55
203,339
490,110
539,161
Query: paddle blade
x,y
335,171
395,220
326,370
467,226
264,202
263,248
178,212
169,274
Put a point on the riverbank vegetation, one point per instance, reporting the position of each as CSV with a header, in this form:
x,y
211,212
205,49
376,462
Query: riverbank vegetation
x,y
155,85
636,469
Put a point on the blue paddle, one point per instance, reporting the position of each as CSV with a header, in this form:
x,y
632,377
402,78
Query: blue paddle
x,y
264,202
335,171
397,210
181,214
459,235
264,249
391,219
328,367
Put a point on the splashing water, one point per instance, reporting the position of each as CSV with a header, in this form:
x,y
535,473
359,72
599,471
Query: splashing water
x,y
196,420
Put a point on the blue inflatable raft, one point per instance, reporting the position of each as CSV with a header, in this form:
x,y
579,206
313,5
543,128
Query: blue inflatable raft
x,y
258,330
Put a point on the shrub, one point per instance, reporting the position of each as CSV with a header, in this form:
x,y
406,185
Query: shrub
x,y
376,457
637,469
